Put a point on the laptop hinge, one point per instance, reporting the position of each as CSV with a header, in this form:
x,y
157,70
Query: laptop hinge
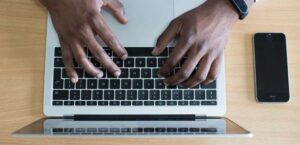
x,y
80,117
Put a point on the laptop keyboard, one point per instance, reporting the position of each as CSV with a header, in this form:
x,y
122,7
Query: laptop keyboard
x,y
138,84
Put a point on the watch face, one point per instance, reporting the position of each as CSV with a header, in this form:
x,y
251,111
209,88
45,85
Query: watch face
x,y
241,4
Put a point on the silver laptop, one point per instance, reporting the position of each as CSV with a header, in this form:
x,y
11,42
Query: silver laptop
x,y
137,103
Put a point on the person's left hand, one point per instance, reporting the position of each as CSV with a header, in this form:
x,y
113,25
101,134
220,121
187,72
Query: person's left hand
x,y
201,36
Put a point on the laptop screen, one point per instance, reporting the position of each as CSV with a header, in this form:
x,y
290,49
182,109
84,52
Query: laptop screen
x,y
68,127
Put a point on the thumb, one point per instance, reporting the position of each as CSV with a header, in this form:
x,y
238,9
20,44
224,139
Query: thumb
x,y
117,10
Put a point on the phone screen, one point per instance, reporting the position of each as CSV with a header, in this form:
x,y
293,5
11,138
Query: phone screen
x,y
271,67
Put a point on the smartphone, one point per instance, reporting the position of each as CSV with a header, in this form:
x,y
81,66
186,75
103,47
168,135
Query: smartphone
x,y
271,67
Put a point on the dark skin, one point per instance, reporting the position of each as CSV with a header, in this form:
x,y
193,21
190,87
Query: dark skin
x,y
201,35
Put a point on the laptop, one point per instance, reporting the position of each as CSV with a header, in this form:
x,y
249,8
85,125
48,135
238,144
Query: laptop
x,y
137,103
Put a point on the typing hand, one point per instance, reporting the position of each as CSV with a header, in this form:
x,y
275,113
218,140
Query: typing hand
x,y
77,23
201,36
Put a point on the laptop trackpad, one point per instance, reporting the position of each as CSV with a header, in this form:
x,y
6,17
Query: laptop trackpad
x,y
147,19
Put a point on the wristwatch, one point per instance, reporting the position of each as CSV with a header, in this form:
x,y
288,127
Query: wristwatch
x,y
241,7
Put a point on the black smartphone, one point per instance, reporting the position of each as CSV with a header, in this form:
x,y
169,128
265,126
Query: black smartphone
x,y
271,67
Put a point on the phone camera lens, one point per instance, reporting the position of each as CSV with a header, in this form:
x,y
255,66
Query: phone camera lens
x,y
269,37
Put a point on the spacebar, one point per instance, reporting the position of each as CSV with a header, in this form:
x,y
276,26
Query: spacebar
x,y
142,51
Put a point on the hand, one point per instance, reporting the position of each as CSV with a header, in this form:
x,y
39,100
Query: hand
x,y
201,35
77,23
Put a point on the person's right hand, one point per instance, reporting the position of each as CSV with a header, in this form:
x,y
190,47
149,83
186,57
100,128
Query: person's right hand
x,y
77,23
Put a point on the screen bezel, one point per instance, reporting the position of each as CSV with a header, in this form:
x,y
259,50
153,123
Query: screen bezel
x,y
264,97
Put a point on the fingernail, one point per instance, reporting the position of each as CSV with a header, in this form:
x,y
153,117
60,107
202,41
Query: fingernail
x,y
154,51
166,84
100,75
74,80
124,57
117,73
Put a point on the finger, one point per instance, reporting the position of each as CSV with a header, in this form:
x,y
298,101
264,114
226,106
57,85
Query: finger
x,y
108,37
177,54
68,62
83,61
186,70
200,74
100,55
214,70
166,37
117,10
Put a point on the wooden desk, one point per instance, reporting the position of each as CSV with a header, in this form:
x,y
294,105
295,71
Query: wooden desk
x,y
22,44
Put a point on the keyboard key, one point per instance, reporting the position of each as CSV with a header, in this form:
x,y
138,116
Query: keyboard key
x,y
160,103
92,84
58,84
148,84
160,130
81,84
115,84
137,103
97,94
109,95
194,103
146,73
140,62
166,95
171,129
209,103
79,72
183,103
211,94
118,62
103,84
208,129
171,103
69,84
58,51
148,129
200,94
149,103
134,73
114,103
108,51
188,95
95,62
154,73
129,62
80,103
212,85
177,94
120,95
60,95
103,103
159,84
139,51
86,95
74,94
124,73
154,95
125,103
183,129
131,95
57,103
161,61
69,103
194,129
137,84
126,84
143,95
58,62
64,74
151,62
91,103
